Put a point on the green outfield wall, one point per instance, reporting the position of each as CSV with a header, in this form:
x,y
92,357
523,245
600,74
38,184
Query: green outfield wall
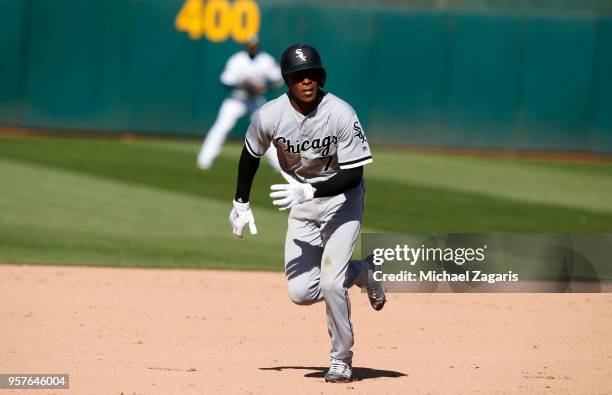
x,y
510,77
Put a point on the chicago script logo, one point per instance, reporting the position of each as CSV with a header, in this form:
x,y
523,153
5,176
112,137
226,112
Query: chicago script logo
x,y
297,146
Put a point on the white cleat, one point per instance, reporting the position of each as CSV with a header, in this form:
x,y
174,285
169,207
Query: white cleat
x,y
339,372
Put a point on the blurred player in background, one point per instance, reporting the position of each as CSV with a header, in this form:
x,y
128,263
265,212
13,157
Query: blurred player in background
x,y
247,73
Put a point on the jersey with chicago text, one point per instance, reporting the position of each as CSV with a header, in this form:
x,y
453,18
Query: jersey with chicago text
x,y
313,147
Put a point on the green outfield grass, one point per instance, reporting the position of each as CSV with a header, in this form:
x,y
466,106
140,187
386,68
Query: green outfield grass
x,y
144,203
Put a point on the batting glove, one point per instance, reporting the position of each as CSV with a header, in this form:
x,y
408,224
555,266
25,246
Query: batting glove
x,y
288,195
241,215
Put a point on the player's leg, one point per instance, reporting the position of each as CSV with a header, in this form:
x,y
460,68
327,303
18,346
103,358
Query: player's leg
x,y
334,264
303,255
340,229
362,274
229,112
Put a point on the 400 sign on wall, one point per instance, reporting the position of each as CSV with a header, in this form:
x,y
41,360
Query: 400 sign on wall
x,y
218,20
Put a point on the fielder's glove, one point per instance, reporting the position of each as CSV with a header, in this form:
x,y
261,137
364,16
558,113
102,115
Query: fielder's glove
x,y
241,215
254,86
288,195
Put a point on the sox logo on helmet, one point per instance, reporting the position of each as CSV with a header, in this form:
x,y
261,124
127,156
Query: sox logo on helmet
x,y
300,55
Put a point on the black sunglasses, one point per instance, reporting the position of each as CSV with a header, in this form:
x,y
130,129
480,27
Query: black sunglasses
x,y
313,74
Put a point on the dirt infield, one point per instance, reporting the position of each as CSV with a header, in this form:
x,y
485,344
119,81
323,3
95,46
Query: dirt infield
x,y
196,331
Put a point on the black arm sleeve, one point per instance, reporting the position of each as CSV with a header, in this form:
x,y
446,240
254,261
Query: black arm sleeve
x,y
247,167
339,182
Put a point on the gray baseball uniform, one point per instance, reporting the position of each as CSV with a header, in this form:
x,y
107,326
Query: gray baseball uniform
x,y
321,233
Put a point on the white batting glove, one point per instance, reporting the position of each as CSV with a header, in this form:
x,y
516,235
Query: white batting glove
x,y
288,195
241,215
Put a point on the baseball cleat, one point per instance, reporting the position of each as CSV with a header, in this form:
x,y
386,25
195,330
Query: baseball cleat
x,y
376,290
204,164
339,372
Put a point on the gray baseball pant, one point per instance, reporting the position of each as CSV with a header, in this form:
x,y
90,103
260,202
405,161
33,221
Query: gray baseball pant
x,y
321,236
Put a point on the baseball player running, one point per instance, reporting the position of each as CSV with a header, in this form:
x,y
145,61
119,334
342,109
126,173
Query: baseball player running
x,y
247,73
322,150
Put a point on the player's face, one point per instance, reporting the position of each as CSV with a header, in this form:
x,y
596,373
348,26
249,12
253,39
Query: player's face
x,y
252,48
304,84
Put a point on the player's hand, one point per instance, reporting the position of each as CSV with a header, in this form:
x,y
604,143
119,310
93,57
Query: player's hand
x,y
241,215
254,86
292,193
255,90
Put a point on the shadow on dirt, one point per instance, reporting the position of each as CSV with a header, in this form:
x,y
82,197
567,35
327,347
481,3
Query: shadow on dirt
x,y
358,373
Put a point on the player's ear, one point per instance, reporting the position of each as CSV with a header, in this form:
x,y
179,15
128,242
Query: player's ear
x,y
323,78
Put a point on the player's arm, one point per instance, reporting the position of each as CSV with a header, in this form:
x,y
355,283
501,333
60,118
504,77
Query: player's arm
x,y
294,192
241,213
247,167
343,181
353,153
256,141
230,77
